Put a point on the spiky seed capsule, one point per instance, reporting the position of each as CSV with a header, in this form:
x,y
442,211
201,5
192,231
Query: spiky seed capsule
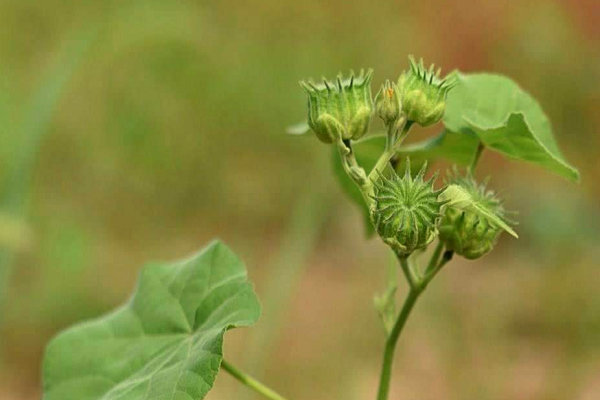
x,y
424,93
406,211
388,104
466,232
340,110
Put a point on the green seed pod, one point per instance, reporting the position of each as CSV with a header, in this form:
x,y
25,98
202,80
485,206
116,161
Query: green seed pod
x,y
340,110
466,232
388,104
406,211
424,93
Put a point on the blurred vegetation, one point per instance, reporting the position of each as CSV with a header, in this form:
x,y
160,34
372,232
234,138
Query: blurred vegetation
x,y
136,131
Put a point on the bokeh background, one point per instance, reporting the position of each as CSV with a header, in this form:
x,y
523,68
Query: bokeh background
x,y
133,131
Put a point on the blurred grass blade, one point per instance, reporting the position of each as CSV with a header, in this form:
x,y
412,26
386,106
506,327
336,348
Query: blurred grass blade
x,y
299,242
29,134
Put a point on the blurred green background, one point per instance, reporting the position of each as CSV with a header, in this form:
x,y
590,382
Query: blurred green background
x,y
133,131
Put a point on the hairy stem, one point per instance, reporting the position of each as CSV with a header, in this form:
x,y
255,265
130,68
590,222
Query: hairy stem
x,y
392,147
417,286
408,272
432,273
355,171
251,382
433,261
390,345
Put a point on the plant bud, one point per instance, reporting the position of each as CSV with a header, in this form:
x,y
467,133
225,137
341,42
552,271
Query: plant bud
x,y
466,232
424,93
388,104
340,110
406,211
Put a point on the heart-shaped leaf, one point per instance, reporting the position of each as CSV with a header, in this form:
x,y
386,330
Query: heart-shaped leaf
x,y
165,343
506,119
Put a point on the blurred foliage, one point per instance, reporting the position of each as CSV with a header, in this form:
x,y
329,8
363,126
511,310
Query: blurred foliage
x,y
170,131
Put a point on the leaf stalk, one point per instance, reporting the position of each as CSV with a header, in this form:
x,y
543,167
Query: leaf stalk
x,y
250,382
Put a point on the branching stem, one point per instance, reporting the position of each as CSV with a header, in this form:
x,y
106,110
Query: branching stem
x,y
435,257
417,286
393,144
411,278
390,344
416,282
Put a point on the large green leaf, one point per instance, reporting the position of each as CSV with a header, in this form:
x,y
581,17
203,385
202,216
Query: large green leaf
x,y
506,119
165,343
455,147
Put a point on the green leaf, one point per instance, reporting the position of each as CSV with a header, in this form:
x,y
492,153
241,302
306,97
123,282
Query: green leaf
x,y
367,152
165,343
506,119
457,148
459,198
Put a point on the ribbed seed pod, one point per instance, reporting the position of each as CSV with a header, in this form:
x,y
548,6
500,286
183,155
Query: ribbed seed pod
x,y
467,232
424,93
340,110
406,211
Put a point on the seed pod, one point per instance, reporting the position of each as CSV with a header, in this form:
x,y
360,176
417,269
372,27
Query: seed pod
x,y
466,232
424,93
406,211
388,104
340,110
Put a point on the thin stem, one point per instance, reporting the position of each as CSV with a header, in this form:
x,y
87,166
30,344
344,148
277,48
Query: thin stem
x,y
431,274
416,288
354,171
435,257
390,345
408,272
391,149
476,157
251,382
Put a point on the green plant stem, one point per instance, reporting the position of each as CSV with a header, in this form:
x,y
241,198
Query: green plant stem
x,y
435,257
476,158
431,274
391,149
251,382
408,272
390,345
416,288
356,173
